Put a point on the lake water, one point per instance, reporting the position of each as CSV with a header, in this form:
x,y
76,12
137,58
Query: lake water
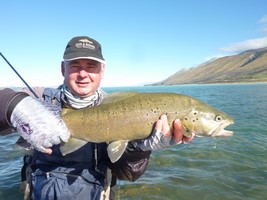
x,y
206,169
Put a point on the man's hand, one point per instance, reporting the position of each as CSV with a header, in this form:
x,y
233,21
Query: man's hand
x,y
38,125
177,136
161,137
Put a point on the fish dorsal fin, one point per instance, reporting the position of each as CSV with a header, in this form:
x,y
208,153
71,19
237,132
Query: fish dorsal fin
x,y
116,149
72,145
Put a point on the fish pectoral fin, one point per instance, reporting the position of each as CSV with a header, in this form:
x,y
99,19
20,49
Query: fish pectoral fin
x,y
116,149
72,145
21,143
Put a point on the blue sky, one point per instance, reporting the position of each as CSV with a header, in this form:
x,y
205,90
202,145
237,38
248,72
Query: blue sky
x,y
143,41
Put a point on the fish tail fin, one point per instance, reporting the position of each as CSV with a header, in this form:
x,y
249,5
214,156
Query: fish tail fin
x,y
116,149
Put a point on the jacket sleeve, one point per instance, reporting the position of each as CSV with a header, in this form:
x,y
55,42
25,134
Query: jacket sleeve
x,y
131,165
9,99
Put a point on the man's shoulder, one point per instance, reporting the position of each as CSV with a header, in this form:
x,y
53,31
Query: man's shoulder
x,y
38,90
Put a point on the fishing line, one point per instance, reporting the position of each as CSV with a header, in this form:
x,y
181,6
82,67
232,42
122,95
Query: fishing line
x,y
32,91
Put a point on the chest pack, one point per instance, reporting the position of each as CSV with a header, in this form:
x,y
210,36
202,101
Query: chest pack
x,y
91,154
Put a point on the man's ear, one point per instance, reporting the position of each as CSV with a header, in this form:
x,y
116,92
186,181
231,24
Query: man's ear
x,y
102,71
63,68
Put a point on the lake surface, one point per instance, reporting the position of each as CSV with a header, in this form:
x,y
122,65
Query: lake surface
x,y
206,169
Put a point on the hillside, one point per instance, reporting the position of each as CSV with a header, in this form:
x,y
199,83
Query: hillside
x,y
249,66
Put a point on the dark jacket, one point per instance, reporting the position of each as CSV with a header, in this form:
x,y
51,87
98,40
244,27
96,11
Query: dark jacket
x,y
89,162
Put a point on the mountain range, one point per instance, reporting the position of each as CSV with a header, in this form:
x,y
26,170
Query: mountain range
x,y
248,66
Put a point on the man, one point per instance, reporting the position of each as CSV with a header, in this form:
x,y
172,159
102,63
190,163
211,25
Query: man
x,y
87,173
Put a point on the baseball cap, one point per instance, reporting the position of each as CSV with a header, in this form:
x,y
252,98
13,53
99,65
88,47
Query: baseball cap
x,y
83,47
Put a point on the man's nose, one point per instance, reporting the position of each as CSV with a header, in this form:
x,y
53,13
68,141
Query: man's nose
x,y
83,73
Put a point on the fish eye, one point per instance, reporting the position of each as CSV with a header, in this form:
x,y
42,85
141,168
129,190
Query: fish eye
x,y
218,118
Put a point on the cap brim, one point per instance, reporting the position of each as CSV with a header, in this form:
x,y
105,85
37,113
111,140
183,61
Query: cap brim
x,y
89,58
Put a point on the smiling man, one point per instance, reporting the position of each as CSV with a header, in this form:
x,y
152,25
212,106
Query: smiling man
x,y
86,173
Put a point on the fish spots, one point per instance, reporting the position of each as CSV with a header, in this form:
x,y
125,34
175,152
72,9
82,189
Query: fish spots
x,y
187,130
110,113
155,110
192,117
151,123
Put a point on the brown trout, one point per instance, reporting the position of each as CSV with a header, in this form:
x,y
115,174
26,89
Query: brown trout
x,y
127,116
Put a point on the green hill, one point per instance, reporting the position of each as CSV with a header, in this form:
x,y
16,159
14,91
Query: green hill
x,y
248,66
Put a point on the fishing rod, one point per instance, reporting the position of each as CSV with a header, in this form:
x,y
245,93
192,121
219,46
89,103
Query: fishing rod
x,y
29,87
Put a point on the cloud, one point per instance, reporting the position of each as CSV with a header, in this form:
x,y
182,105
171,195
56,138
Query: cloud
x,y
246,45
264,30
213,57
263,23
263,20
251,43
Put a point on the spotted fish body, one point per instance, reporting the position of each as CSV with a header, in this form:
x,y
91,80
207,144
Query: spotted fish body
x,y
130,116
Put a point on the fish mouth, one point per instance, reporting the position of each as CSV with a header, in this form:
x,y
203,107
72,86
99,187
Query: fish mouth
x,y
220,131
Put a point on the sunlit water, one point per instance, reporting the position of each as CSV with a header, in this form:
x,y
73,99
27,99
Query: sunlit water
x,y
206,169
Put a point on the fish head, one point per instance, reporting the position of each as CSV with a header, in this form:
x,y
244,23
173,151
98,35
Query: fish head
x,y
206,121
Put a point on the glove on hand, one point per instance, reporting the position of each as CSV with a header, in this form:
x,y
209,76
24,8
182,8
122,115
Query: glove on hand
x,y
157,141
39,126
161,137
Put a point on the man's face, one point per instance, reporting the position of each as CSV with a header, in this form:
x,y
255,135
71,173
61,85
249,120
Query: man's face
x,y
82,76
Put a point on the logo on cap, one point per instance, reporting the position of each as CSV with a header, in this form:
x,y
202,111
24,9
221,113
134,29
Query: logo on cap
x,y
85,43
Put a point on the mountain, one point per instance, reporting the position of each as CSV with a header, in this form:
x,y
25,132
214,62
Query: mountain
x,y
248,66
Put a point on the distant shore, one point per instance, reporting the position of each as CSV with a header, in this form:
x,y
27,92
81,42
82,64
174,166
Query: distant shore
x,y
225,82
